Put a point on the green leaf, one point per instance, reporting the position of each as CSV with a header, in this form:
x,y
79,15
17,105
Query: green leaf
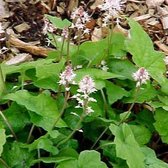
x,y
151,160
93,52
12,114
115,92
161,120
58,22
122,67
16,156
2,139
141,47
95,73
127,147
49,70
145,93
47,83
141,133
43,143
117,48
68,164
43,108
92,158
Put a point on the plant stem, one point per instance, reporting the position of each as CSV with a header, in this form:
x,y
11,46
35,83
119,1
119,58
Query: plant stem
x,y
55,42
2,82
30,133
99,137
22,80
68,45
105,103
132,105
62,47
72,133
67,94
8,124
4,163
38,153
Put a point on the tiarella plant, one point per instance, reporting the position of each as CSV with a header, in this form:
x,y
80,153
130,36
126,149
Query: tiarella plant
x,y
87,104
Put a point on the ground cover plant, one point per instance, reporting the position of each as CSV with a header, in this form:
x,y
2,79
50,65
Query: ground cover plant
x,y
87,105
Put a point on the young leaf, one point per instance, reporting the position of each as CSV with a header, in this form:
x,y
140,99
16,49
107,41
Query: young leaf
x,y
138,131
161,120
151,160
127,147
141,47
95,73
92,158
115,92
58,23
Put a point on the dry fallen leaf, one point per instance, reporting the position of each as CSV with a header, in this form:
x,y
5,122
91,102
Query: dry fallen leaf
x,y
72,5
97,34
162,47
154,3
4,12
96,4
22,27
164,17
20,58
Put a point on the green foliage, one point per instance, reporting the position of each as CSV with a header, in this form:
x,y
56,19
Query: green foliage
x,y
58,23
127,147
43,124
141,47
86,159
43,109
161,123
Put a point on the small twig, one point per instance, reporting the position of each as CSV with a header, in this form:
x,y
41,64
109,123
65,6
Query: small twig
x,y
30,133
99,137
8,124
2,82
4,163
72,133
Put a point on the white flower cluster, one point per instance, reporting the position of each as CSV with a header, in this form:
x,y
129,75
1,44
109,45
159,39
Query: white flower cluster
x,y
86,87
80,18
112,9
48,27
141,76
65,32
103,65
67,77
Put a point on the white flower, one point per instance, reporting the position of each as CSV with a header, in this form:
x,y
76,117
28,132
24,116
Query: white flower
x,y
103,66
141,76
80,18
87,85
89,110
48,27
166,60
112,8
65,33
67,77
